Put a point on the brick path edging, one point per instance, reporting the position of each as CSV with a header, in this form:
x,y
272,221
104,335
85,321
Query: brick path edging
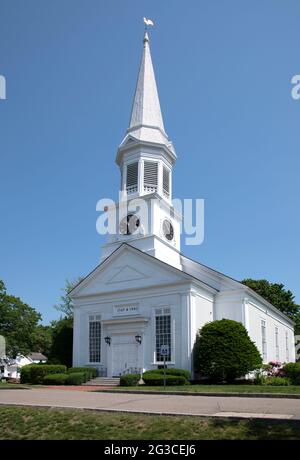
x,y
195,393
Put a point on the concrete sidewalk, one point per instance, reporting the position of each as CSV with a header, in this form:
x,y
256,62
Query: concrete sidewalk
x,y
156,404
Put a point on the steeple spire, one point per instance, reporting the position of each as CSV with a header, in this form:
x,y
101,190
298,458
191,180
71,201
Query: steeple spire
x,y
146,122
146,107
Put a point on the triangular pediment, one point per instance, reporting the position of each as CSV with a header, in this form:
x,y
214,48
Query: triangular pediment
x,y
128,269
126,274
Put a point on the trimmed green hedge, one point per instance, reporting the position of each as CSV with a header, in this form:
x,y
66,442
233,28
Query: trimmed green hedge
x,y
26,373
277,381
170,371
55,379
35,373
158,379
90,372
292,371
76,378
129,380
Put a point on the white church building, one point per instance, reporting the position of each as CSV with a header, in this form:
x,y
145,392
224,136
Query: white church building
x,y
145,293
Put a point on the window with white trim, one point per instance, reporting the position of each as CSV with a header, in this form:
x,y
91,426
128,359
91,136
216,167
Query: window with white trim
x,y
263,340
94,339
287,351
277,343
166,182
163,333
150,176
132,177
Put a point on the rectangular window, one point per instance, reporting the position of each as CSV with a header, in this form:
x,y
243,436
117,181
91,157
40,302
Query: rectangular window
x,y
277,343
132,177
287,353
94,339
163,334
263,340
150,176
166,182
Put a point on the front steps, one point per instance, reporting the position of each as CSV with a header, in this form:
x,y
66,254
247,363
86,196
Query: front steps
x,y
104,381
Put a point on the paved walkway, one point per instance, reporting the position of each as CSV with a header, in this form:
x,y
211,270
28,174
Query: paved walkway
x,y
156,404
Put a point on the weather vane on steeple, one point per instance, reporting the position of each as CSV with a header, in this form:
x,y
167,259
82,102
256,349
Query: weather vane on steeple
x,y
148,22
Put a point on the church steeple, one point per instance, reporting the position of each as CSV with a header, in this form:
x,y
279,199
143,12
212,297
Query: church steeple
x,y
146,107
146,122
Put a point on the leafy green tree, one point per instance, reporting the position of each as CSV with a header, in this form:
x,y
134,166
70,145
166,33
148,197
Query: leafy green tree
x,y
62,342
18,322
66,304
224,351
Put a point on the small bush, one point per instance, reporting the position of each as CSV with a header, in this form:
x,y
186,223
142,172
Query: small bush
x,y
277,381
129,380
292,371
158,379
35,373
76,378
170,371
55,379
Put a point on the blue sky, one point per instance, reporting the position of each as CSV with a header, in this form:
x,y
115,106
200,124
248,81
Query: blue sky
x,y
223,71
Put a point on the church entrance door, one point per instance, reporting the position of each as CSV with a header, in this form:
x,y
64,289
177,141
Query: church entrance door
x,y
124,354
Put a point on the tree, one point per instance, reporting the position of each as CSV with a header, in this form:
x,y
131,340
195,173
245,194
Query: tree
x,y
17,323
66,304
42,339
62,341
277,295
224,351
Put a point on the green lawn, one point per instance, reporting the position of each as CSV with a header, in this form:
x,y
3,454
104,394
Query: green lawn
x,y
39,423
12,386
292,389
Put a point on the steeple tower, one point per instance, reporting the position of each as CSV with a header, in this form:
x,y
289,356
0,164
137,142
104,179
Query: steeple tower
x,y
146,158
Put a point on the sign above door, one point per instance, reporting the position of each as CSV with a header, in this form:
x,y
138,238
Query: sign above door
x,y
126,310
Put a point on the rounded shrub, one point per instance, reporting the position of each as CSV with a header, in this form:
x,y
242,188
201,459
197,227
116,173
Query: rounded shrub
x,y
224,351
292,371
76,378
153,379
55,379
129,380
35,373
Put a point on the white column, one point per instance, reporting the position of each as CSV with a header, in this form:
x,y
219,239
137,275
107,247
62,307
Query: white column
x,y
141,177
160,178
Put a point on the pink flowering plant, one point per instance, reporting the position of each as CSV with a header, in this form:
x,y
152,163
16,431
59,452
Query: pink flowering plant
x,y
275,369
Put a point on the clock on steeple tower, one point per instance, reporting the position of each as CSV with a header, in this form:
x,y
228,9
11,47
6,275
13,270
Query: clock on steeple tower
x,y
146,217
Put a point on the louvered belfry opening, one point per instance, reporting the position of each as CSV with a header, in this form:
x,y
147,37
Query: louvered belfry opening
x,y
166,182
150,176
132,178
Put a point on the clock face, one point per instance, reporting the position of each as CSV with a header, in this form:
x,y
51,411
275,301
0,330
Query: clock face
x,y
168,230
129,224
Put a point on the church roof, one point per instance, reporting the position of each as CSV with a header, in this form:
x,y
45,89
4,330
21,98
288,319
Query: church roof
x,y
146,121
